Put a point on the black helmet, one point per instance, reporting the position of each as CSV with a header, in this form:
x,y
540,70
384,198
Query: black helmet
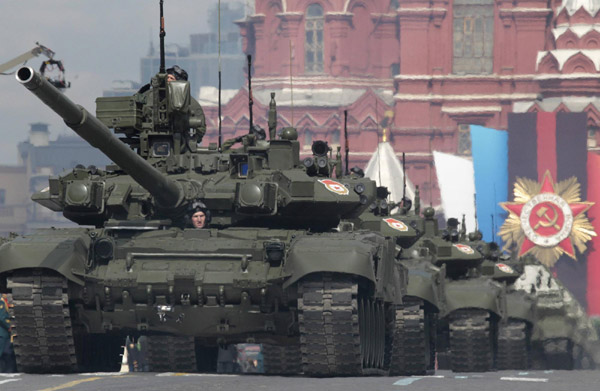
x,y
178,72
358,172
198,206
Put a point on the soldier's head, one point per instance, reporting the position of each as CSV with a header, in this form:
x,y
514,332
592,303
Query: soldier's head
x,y
198,215
176,73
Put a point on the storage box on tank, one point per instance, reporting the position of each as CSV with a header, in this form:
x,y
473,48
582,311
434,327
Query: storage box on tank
x,y
119,112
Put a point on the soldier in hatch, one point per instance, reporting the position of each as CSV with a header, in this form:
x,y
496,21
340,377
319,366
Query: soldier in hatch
x,y
198,215
176,73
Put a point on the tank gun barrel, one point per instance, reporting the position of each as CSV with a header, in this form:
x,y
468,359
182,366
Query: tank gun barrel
x,y
167,192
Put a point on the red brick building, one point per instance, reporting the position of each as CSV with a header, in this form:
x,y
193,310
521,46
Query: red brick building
x,y
437,65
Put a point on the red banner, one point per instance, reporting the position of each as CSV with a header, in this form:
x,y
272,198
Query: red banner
x,y
593,258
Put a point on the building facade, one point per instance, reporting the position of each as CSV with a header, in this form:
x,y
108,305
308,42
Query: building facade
x,y
431,68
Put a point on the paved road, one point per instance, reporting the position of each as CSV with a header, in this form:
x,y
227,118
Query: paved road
x,y
442,381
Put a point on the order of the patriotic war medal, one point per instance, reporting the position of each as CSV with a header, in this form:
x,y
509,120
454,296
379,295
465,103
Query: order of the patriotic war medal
x,y
547,219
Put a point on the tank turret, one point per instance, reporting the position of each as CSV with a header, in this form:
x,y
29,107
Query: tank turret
x,y
167,192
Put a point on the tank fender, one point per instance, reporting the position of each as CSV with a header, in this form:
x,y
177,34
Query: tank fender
x,y
427,284
479,293
319,254
521,305
63,254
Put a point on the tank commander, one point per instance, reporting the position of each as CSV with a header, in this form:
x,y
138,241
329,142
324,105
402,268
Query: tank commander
x,y
198,215
176,73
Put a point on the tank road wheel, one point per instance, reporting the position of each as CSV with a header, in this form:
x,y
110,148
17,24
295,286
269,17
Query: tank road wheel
x,y
412,345
167,353
282,359
558,353
43,336
340,333
514,345
471,341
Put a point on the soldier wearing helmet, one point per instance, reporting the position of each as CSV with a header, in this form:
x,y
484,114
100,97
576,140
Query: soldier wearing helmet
x,y
176,73
198,215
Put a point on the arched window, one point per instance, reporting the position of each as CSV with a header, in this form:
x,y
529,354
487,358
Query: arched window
x,y
473,36
308,139
313,45
335,137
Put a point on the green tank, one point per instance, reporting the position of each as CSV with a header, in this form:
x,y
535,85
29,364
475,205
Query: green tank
x,y
270,268
514,348
456,311
544,326
414,343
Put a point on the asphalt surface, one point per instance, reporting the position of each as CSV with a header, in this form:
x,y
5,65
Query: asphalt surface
x,y
442,381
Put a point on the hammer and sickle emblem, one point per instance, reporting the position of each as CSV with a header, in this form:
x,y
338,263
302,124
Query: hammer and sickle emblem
x,y
549,221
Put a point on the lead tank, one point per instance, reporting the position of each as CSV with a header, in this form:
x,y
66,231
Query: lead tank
x,y
269,269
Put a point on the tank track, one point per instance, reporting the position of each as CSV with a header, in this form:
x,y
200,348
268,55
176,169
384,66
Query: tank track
x,y
329,327
411,346
98,352
471,344
43,335
513,345
168,353
558,353
282,359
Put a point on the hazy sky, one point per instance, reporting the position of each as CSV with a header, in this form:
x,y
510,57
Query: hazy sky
x,y
98,41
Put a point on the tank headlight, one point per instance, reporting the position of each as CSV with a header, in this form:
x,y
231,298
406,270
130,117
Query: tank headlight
x,y
77,193
308,162
359,188
321,162
104,249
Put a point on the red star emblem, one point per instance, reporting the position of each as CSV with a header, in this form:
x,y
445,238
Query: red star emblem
x,y
546,218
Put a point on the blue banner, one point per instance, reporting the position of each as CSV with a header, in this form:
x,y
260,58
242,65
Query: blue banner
x,y
490,163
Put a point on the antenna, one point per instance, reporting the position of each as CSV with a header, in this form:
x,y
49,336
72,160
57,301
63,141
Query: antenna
x,y
346,141
272,117
403,178
430,174
219,49
250,101
493,229
475,202
378,144
291,84
162,39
